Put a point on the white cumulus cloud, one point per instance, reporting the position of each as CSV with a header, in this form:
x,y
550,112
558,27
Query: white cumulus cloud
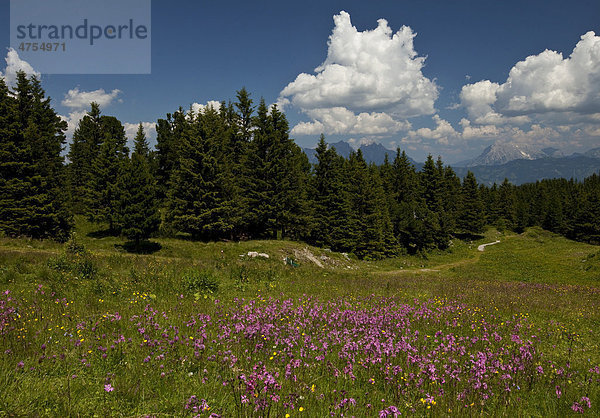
x,y
371,80
15,64
198,107
77,99
340,120
540,84
442,133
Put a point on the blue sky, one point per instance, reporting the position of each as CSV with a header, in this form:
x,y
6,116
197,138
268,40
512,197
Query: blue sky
x,y
455,102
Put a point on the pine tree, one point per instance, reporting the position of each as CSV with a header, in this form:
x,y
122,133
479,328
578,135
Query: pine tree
x,y
322,196
339,203
553,218
245,110
83,150
168,138
586,226
451,198
216,134
407,206
232,148
506,206
369,228
196,201
434,213
138,215
470,219
275,174
258,210
140,144
287,170
33,200
103,195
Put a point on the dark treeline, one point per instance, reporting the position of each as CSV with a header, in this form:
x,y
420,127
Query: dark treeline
x,y
234,173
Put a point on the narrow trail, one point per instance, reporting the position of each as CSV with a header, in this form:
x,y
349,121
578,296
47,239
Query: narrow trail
x,y
439,267
482,246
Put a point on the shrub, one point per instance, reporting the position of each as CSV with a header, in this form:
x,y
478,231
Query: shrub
x,y
75,259
200,282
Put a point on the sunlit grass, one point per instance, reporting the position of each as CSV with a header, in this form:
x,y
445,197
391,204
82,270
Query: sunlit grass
x,y
194,328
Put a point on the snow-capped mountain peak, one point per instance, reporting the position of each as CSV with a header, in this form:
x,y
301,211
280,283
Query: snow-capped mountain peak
x,y
503,152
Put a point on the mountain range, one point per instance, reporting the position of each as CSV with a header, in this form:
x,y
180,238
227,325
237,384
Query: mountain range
x,y
372,153
519,163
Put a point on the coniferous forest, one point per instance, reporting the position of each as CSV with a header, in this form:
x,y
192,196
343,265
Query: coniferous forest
x,y
234,173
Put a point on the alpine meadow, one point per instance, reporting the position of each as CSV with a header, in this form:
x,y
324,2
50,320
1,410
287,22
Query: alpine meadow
x,y
209,263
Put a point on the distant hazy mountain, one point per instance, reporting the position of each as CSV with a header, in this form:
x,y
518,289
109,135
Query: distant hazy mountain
x,y
502,153
516,162
553,152
593,153
521,171
374,152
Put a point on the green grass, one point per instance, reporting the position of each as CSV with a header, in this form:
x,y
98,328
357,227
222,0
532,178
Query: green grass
x,y
551,283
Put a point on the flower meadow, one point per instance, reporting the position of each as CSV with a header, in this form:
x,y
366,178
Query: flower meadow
x,y
277,356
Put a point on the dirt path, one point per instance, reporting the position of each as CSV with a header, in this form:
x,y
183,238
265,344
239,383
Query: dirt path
x,y
482,246
440,267
431,269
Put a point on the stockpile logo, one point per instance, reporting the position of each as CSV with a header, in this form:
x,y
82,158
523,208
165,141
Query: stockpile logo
x,y
83,36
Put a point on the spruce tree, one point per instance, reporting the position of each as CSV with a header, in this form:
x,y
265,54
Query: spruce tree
x,y
451,198
586,225
245,110
407,206
258,206
434,214
33,198
288,172
275,174
470,219
339,203
103,194
83,150
168,138
506,206
369,228
13,165
196,200
138,214
322,194
216,134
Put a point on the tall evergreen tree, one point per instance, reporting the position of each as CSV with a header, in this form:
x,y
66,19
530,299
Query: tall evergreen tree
x,y
434,215
369,228
195,200
451,197
245,111
33,198
83,150
322,196
275,172
506,205
470,219
259,210
287,171
138,214
168,138
407,206
586,226
102,198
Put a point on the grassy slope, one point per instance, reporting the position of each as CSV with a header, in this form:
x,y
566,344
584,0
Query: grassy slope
x,y
547,278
